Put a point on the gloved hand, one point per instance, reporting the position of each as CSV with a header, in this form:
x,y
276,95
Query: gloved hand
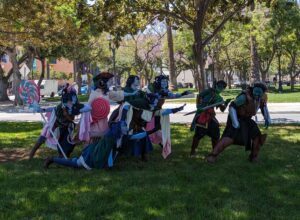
x,y
39,110
185,93
85,108
175,110
267,123
140,135
236,125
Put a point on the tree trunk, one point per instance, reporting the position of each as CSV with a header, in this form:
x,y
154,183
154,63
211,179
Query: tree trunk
x,y
254,60
229,80
48,70
199,55
279,73
172,67
197,79
3,87
79,78
75,70
253,54
29,62
16,76
263,76
42,76
292,82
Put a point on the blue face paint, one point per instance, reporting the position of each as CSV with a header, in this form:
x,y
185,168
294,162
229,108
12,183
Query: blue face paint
x,y
164,84
257,92
136,84
219,89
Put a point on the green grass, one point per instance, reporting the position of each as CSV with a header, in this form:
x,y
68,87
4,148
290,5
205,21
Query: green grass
x,y
176,188
81,98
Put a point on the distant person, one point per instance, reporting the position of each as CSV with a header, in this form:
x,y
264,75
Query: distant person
x,y
275,81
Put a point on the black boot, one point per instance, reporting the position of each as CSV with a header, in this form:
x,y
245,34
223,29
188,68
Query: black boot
x,y
194,146
257,143
47,162
34,149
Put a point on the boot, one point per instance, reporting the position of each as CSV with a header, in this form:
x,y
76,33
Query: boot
x,y
34,149
194,146
47,162
214,143
219,147
143,153
257,143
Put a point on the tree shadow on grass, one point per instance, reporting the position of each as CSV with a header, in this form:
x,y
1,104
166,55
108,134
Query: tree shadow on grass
x,y
19,127
176,188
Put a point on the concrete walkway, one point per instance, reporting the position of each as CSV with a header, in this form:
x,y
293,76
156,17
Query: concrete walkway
x,y
280,113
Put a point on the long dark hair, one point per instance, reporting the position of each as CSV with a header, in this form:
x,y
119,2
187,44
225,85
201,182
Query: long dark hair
x,y
131,79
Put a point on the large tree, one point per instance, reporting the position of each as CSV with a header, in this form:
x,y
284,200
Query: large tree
x,y
205,17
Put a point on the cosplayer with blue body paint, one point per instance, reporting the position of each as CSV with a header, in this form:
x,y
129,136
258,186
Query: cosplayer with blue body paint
x,y
160,86
241,129
65,113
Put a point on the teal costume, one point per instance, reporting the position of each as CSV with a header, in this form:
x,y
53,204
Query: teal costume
x,y
205,122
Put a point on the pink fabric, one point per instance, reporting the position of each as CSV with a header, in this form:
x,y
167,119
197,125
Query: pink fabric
x,y
48,115
85,126
155,138
99,128
50,142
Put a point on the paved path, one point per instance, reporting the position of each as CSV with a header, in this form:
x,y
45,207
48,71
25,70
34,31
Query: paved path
x,y
280,113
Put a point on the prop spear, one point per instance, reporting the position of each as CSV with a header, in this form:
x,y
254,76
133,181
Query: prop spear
x,y
205,108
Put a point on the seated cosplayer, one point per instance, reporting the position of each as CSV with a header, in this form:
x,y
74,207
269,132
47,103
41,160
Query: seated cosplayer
x,y
101,154
241,129
100,99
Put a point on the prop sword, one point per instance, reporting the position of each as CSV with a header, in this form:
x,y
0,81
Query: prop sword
x,y
205,108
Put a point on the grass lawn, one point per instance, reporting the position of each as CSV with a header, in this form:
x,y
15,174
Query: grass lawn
x,y
274,96
176,188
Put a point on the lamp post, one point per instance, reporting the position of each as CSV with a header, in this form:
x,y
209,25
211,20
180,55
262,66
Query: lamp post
x,y
112,47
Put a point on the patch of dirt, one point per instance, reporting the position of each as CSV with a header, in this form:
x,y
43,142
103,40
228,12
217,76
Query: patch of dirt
x,y
15,154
